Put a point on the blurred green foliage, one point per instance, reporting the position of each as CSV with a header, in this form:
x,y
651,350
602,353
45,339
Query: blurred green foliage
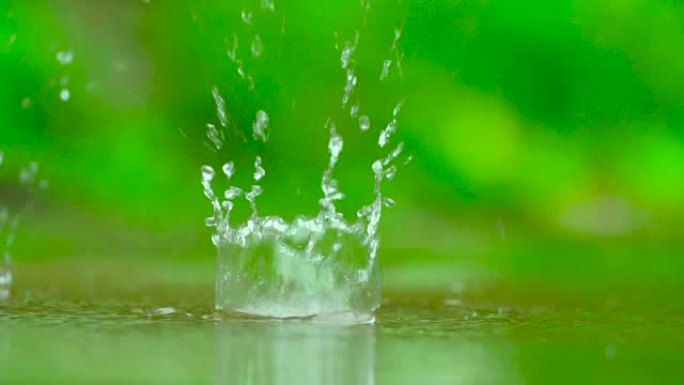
x,y
547,136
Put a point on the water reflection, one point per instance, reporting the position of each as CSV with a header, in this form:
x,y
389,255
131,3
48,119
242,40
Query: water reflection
x,y
291,353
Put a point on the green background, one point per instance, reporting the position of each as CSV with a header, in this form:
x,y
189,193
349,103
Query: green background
x,y
547,136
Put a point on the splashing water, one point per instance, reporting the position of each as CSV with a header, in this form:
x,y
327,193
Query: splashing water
x,y
311,266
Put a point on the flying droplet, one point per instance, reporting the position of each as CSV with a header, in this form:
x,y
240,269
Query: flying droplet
x,y
364,123
207,173
257,46
232,193
259,171
215,136
65,95
391,172
220,107
65,57
349,86
336,143
388,202
246,16
385,69
260,126
387,133
354,111
228,169
397,109
268,5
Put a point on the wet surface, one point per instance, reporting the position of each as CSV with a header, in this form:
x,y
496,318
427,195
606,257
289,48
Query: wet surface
x,y
153,336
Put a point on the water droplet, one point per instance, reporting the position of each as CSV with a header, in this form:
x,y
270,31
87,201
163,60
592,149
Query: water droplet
x,y
397,109
26,102
354,111
385,135
336,142
232,193
65,95
255,192
207,173
377,167
394,154
260,126
257,46
246,16
348,51
385,69
268,5
65,57
364,211
391,172
215,136
2,157
228,169
232,52
364,123
349,86
388,202
210,222
227,205
28,174
259,171
220,107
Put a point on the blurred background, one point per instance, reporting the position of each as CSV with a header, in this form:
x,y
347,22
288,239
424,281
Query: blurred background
x,y
547,137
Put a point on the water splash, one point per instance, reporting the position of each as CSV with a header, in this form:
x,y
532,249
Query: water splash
x,y
312,264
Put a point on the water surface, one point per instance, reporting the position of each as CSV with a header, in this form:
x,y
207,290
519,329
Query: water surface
x,y
101,332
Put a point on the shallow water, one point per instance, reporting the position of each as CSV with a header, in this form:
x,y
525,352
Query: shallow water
x,y
148,335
